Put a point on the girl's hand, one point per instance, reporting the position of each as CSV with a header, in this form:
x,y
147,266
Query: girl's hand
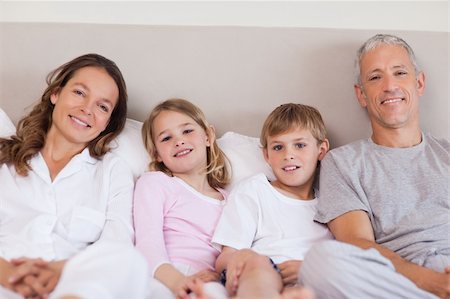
x,y
289,271
206,276
201,276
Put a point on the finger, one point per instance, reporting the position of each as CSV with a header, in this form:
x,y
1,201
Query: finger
x,y
21,272
36,285
24,290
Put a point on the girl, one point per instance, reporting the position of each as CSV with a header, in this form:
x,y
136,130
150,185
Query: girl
x,y
178,203
65,212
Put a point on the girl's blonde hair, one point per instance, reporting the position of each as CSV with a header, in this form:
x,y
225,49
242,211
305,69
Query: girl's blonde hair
x,y
216,169
32,129
289,116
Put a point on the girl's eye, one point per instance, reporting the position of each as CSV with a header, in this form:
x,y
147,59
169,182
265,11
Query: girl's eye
x,y
187,131
167,138
300,145
277,147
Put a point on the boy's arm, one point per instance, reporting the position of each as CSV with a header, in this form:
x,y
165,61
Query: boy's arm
x,y
233,261
223,258
355,228
289,271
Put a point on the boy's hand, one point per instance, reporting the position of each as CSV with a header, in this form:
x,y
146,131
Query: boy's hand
x,y
289,271
235,267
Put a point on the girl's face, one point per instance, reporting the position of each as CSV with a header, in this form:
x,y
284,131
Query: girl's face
x,y
84,106
180,143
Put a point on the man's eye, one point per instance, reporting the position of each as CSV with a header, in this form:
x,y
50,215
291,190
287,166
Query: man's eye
x,y
373,78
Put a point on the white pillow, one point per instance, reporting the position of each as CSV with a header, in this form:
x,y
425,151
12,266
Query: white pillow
x,y
7,127
130,147
243,152
245,156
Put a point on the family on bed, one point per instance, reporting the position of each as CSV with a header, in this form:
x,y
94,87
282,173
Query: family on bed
x,y
375,225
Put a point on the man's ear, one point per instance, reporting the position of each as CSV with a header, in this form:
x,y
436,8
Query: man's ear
x,y
323,149
421,83
360,95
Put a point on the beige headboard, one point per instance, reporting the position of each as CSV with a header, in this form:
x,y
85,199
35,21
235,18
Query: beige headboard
x,y
237,75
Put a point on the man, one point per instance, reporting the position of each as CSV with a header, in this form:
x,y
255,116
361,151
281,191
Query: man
x,y
387,195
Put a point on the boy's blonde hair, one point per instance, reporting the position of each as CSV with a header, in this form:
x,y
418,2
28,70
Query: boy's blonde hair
x,y
216,170
291,116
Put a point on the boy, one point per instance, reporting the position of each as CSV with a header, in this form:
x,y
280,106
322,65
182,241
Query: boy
x,y
267,227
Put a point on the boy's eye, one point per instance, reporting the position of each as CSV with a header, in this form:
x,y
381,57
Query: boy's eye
x,y
277,147
300,145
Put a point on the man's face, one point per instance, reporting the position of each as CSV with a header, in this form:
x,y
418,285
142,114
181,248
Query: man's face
x,y
390,88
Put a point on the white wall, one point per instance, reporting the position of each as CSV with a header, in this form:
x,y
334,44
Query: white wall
x,y
388,15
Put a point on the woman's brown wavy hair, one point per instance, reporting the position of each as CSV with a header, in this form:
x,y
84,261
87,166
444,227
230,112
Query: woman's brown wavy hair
x,y
217,172
33,128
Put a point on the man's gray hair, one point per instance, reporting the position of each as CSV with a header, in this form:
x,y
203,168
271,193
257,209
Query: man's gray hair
x,y
376,41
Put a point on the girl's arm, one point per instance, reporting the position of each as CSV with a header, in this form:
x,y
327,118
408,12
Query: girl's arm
x,y
150,200
171,278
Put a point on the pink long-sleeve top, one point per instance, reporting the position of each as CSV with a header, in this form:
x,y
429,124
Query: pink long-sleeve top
x,y
174,223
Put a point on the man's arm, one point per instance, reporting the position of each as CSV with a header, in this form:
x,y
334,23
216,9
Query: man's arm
x,y
354,227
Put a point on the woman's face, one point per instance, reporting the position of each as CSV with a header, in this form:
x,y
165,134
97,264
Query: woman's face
x,y
84,106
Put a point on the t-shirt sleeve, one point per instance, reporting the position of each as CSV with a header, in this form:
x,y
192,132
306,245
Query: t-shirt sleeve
x,y
238,223
148,211
339,189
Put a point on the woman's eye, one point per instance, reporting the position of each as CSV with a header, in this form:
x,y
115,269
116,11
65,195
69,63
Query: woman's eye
x,y
78,92
104,108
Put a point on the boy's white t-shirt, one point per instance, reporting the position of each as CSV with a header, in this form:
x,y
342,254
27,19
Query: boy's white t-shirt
x,y
259,217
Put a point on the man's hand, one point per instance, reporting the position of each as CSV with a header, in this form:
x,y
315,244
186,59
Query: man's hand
x,y
289,272
434,282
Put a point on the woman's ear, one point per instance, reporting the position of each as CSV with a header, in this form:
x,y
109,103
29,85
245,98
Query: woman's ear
x,y
54,96
323,148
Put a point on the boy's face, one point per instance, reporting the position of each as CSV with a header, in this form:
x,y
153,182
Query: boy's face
x,y
293,157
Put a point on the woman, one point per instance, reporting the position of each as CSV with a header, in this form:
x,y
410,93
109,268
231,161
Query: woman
x,y
65,206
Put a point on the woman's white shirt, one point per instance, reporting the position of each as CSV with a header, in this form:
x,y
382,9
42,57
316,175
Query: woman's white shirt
x,y
90,200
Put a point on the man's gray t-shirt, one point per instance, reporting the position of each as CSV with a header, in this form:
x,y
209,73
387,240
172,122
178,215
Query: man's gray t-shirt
x,y
405,192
